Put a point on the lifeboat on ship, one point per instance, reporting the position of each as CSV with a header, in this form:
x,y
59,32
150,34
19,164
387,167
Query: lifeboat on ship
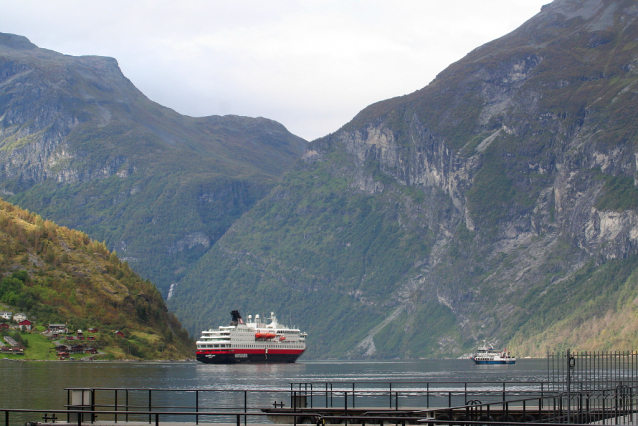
x,y
264,335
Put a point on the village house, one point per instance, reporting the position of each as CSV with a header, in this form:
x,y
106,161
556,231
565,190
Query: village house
x,y
4,326
19,317
6,315
58,328
76,349
118,333
26,324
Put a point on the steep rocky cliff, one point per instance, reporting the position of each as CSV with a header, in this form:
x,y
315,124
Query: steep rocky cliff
x,y
81,145
498,203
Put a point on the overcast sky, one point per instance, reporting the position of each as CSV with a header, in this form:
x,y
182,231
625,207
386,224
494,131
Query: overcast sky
x,y
310,65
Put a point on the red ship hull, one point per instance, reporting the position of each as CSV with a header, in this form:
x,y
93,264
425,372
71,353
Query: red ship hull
x,y
252,356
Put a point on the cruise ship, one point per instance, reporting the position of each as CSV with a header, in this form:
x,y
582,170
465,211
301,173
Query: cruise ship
x,y
251,341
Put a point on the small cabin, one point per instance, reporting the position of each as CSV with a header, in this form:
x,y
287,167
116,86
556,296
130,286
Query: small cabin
x,y
118,333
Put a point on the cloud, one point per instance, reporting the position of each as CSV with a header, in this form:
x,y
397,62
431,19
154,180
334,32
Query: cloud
x,y
311,65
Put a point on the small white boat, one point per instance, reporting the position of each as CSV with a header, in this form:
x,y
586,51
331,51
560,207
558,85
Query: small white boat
x,y
486,354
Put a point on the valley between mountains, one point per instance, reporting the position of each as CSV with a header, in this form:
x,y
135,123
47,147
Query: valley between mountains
x,y
498,203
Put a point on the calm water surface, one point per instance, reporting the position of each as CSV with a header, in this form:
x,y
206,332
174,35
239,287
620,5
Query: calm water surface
x,y
42,384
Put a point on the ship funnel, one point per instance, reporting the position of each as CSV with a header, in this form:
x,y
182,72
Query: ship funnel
x,y
236,317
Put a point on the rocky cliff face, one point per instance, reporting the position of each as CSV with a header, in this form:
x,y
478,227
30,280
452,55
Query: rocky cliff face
x,y
81,145
504,192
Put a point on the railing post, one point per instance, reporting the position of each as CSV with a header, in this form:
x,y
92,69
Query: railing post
x,y
345,411
246,405
115,409
93,393
427,394
196,407
569,386
6,418
150,405
126,405
396,400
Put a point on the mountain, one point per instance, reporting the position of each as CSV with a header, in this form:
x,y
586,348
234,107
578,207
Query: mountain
x,y
498,204
58,275
81,145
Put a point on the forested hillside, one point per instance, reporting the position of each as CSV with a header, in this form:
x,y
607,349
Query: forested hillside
x,y
59,275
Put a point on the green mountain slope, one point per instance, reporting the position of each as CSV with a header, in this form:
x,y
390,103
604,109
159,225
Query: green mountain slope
x,y
498,203
58,275
81,145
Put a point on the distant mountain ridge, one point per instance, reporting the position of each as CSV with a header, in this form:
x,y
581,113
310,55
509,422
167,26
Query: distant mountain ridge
x,y
498,203
81,145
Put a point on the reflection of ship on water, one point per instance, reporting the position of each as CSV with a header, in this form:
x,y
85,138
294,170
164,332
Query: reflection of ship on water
x,y
486,354
252,341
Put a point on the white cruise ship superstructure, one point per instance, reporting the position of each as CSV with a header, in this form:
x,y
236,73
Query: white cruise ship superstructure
x,y
251,341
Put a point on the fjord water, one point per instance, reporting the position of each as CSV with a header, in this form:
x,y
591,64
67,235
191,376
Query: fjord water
x,y
40,385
